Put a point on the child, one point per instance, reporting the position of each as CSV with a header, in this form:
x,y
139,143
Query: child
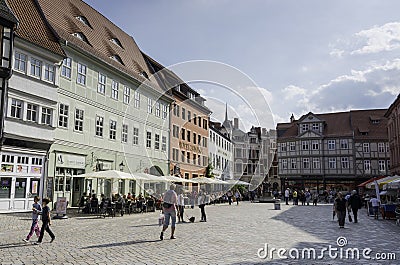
x,y
45,222
36,209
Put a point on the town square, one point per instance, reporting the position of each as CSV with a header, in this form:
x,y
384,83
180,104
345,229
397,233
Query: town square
x,y
199,132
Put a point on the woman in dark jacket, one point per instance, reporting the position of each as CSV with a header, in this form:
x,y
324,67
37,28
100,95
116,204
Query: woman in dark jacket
x,y
341,205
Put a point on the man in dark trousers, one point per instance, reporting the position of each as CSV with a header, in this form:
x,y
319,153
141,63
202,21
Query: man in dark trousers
x,y
355,203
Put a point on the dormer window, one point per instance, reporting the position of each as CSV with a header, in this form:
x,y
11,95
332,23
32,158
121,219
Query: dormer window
x,y
375,121
80,36
116,42
116,57
83,20
304,127
315,127
144,74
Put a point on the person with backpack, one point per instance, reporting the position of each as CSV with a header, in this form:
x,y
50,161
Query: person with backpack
x,y
355,204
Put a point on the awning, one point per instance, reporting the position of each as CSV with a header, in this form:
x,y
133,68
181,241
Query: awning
x,y
381,182
395,184
110,174
202,180
369,181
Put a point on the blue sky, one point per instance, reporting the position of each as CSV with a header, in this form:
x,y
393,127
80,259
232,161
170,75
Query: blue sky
x,y
304,56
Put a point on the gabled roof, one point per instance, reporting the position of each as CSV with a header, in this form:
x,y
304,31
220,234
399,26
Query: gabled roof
x,y
343,124
101,36
6,13
33,26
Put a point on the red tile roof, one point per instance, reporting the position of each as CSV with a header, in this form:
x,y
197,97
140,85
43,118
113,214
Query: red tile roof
x,y
33,27
62,16
343,124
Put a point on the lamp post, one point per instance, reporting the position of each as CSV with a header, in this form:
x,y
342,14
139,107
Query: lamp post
x,y
8,23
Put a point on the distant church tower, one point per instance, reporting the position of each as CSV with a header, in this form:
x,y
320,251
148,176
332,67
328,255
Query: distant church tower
x,y
227,125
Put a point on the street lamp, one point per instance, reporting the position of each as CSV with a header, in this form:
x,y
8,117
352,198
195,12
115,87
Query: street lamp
x,y
121,166
8,23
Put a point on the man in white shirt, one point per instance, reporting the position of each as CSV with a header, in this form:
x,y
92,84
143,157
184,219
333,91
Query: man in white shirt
x,y
375,206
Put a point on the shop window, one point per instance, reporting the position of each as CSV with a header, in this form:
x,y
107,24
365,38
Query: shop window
x,y
20,188
5,188
67,184
59,185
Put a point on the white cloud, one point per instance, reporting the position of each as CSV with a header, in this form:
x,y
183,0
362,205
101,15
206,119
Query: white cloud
x,y
337,53
373,87
379,38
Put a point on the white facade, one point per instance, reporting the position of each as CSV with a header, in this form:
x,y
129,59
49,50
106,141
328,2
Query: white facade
x,y
220,154
29,125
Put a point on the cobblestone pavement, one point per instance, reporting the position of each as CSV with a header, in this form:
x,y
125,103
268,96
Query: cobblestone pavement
x,y
232,235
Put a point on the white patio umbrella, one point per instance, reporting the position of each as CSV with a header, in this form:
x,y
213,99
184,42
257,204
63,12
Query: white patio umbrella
x,y
110,174
236,182
203,180
171,178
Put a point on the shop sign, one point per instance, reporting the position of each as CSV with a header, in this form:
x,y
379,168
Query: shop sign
x,y
190,147
70,161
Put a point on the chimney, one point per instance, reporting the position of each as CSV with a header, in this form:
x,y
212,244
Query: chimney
x,y
236,123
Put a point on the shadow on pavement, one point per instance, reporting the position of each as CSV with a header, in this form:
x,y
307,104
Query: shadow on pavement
x,y
121,244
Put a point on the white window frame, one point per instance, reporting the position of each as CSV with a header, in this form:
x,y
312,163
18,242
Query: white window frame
x,y
157,106
66,68
164,143
17,107
331,144
305,145
137,99
101,83
315,127
315,145
99,127
63,114
47,116
148,139
32,112
367,165
114,89
382,165
381,147
149,105
81,74
127,94
20,62
36,67
79,117
49,72
316,163
113,130
344,144
293,163
345,163
332,163
124,134
135,139
366,148
156,141
292,146
284,164
306,163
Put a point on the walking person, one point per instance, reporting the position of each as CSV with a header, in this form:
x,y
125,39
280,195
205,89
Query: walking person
x,y
169,208
355,204
287,194
229,195
202,205
36,209
341,205
375,206
308,197
46,222
315,198
237,197
181,206
295,198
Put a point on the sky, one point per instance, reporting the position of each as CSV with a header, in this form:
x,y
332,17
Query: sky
x,y
291,56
